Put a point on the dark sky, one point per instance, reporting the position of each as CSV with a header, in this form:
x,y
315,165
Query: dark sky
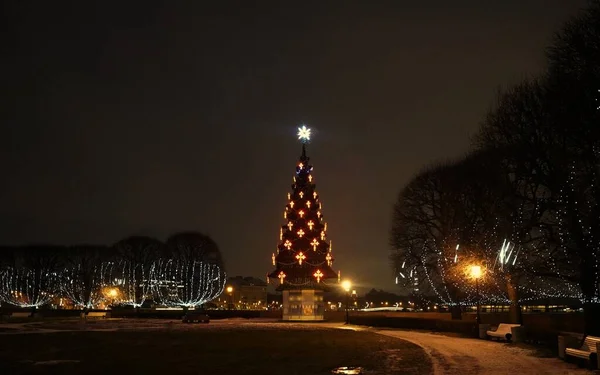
x,y
153,118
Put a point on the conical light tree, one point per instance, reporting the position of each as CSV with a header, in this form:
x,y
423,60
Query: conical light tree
x,y
303,260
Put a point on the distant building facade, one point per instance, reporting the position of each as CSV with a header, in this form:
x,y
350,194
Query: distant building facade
x,y
244,293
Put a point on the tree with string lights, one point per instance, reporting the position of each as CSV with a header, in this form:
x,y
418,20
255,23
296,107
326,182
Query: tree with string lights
x,y
303,258
84,275
29,276
190,272
132,272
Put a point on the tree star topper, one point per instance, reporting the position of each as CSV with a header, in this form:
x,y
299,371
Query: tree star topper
x,y
304,134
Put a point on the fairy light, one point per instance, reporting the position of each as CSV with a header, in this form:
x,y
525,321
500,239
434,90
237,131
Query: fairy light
x,y
188,282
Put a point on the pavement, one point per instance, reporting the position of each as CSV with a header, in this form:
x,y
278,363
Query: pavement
x,y
465,356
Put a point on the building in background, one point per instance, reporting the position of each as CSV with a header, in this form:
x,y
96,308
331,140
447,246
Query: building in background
x,y
244,293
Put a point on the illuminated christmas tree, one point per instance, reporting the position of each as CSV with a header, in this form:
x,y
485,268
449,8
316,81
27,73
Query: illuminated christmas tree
x,y
303,259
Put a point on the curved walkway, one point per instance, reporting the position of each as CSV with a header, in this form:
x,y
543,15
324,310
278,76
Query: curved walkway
x,y
454,355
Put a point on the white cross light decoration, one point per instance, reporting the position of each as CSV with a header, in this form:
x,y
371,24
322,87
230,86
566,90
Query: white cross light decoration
x,y
310,224
315,195
289,196
287,244
304,134
314,244
281,277
300,233
290,225
309,178
301,194
292,204
308,204
300,257
301,213
328,258
322,235
318,275
319,213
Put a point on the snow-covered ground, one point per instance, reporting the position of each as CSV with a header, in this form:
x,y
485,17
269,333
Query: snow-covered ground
x,y
456,355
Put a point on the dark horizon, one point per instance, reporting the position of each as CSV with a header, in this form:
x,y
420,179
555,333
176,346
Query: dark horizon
x,y
159,119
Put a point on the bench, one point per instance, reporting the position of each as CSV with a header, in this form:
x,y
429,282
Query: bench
x,y
587,351
504,331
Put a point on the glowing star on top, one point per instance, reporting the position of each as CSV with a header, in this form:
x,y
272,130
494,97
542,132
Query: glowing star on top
x,y
304,134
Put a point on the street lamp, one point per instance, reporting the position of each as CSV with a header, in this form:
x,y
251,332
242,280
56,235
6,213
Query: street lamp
x,y
476,274
229,291
346,284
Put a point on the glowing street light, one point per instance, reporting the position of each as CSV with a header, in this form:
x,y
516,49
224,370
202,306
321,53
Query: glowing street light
x,y
347,285
230,292
476,273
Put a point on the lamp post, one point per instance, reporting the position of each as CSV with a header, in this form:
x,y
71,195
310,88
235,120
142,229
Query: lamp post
x,y
476,274
346,284
230,292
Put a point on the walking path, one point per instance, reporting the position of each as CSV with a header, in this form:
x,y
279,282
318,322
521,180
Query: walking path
x,y
455,355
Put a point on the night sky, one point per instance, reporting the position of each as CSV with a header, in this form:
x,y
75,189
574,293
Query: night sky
x,y
150,119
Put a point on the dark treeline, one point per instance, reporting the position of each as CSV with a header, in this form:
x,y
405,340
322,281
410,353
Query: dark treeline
x,y
186,270
525,201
